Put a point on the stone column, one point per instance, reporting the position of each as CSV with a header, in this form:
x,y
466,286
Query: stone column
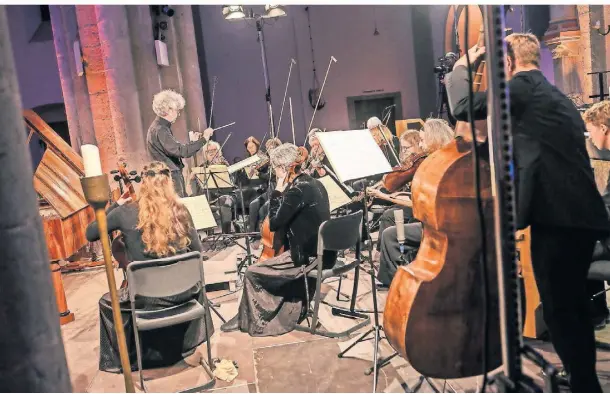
x,y
62,49
115,44
147,79
32,357
96,82
191,77
74,87
595,47
563,39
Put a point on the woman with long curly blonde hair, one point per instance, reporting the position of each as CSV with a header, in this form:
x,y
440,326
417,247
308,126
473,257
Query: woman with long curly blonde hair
x,y
156,225
164,221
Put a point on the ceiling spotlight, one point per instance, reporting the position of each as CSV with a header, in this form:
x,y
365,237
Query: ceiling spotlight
x,y
231,12
274,11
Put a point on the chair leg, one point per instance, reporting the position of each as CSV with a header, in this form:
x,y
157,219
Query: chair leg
x,y
307,305
352,305
138,355
317,296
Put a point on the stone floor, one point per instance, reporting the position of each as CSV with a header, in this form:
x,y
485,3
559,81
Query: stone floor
x,y
295,362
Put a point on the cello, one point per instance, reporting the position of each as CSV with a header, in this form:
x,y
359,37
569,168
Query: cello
x,y
271,246
435,310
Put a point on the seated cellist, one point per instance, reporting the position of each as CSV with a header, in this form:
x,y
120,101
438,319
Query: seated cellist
x,y
273,298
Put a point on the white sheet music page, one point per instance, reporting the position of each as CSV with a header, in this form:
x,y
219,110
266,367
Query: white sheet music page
x,y
353,154
200,211
244,163
336,196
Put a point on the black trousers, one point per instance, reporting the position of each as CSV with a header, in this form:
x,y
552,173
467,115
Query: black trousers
x,y
179,185
561,259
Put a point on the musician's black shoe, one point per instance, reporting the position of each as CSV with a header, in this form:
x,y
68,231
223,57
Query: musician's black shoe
x,y
231,325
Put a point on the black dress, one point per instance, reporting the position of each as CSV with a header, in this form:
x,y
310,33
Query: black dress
x,y
161,347
273,300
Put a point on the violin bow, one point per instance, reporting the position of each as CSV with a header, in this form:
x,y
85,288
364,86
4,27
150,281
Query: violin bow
x,y
279,123
291,121
332,60
212,106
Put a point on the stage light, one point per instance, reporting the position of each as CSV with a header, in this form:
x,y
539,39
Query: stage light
x,y
167,10
231,12
274,11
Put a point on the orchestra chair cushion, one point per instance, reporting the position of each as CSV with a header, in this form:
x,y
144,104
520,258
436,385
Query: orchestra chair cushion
x,y
336,235
168,277
599,270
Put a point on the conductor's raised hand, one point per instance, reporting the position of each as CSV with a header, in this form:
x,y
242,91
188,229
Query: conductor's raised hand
x,y
207,133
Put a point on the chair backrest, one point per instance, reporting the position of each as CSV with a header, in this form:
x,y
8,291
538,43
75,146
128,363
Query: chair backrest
x,y
340,233
165,277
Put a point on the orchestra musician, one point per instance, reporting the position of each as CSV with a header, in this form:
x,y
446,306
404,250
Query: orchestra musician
x,y
156,225
316,161
435,134
227,200
273,297
597,122
258,207
160,141
377,128
556,196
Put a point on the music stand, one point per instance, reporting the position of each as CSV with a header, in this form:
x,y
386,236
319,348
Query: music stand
x,y
345,150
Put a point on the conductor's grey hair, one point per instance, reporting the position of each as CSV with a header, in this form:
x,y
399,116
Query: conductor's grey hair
x,y
166,100
284,156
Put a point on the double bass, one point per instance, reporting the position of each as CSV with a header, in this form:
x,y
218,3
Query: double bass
x,y
435,311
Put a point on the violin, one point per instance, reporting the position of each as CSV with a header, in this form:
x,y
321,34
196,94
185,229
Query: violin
x,y
435,310
271,246
403,174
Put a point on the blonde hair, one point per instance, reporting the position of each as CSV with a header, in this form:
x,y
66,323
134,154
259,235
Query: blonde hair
x,y
272,143
598,114
436,134
162,219
523,48
166,100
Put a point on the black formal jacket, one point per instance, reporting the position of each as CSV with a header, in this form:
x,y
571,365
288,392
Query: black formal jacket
x,y
554,178
298,213
162,145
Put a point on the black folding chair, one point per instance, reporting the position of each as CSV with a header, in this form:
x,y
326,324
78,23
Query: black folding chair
x,y
335,235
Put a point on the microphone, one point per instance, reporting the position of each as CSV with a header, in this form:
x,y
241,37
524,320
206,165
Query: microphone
x,y
399,218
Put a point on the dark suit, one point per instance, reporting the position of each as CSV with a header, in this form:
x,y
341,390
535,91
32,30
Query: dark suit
x,y
558,198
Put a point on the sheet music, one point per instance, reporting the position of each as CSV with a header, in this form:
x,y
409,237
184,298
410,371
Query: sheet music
x,y
200,211
244,163
353,154
216,176
336,196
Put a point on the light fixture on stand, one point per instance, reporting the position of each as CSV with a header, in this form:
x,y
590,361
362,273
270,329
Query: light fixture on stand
x,y
236,12
233,12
